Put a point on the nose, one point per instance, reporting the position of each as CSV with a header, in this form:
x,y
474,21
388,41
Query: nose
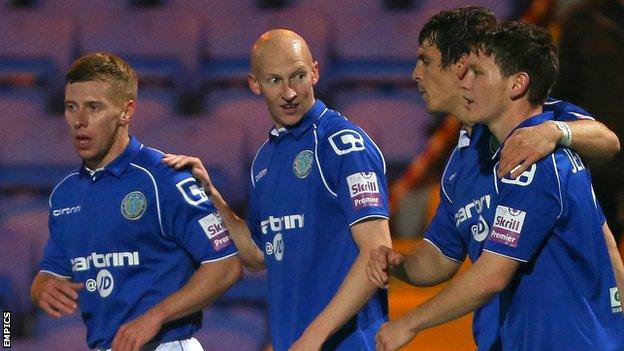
x,y
80,119
417,73
288,93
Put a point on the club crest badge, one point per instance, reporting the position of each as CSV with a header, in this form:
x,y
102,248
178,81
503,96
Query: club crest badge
x,y
133,205
302,165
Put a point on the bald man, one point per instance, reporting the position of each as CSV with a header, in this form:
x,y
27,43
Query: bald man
x,y
318,206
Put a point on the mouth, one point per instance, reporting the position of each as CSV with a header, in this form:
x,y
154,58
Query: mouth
x,y
82,141
289,108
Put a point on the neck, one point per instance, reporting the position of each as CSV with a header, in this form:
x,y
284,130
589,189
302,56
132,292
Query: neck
x,y
118,146
517,113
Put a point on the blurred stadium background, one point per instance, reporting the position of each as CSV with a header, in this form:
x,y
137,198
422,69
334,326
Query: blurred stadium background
x,y
192,60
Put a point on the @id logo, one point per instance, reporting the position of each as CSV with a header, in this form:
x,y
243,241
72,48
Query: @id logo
x,y
275,248
103,283
346,141
133,205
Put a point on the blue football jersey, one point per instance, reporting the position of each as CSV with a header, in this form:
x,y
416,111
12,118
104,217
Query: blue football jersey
x,y
564,295
309,184
133,232
468,200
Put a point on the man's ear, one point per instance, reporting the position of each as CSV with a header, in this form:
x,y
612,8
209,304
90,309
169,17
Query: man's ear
x,y
519,85
461,66
253,84
315,73
128,112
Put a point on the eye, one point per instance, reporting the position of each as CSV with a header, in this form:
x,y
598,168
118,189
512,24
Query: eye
x,y
273,80
70,106
93,107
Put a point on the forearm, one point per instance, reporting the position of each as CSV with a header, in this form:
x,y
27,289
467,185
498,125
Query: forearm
x,y
208,283
249,253
425,266
355,289
469,291
616,259
593,140
353,293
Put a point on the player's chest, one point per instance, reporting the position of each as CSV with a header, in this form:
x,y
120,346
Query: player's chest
x,y
113,212
474,202
287,175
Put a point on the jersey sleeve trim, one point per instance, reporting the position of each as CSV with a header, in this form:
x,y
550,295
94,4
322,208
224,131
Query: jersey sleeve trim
x,y
582,116
54,273
444,175
220,258
552,156
162,231
318,164
510,257
367,217
251,171
57,185
442,253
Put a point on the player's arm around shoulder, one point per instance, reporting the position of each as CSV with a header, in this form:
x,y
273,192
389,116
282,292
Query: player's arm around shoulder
x,y
249,253
590,138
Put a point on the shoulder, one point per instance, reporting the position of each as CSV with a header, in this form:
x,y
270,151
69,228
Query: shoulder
x,y
149,162
62,188
545,173
340,135
566,111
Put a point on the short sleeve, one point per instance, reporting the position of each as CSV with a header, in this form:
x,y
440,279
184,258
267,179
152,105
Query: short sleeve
x,y
566,112
54,258
355,169
253,218
190,219
528,208
443,233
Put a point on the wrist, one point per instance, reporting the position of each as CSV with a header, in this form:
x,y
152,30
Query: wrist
x,y
316,332
566,133
159,315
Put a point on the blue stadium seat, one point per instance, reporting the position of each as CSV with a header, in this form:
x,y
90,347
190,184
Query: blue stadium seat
x,y
397,121
378,53
244,110
34,48
162,45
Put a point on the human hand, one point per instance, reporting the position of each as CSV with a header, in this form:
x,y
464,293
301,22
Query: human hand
x,y
136,333
195,165
382,260
394,335
56,296
525,146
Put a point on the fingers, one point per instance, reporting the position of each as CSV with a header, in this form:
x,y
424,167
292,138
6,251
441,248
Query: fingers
x,y
71,289
378,266
58,298
49,310
62,302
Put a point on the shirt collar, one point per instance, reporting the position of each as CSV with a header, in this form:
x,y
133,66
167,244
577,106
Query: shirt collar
x,y
529,122
315,112
119,164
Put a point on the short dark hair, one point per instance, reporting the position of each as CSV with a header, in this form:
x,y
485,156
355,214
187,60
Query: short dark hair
x,y
453,31
521,47
106,67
